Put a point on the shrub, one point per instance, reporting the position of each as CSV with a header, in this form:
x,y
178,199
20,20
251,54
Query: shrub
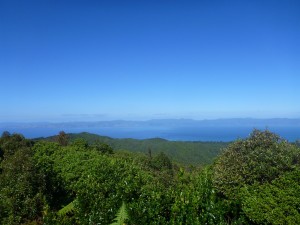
x,y
259,159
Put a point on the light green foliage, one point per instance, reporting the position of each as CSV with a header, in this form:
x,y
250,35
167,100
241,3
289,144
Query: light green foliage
x,y
186,208
104,183
83,183
260,158
121,216
153,204
197,202
99,181
67,209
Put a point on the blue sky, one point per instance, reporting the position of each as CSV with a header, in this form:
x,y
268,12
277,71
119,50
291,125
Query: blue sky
x,y
104,60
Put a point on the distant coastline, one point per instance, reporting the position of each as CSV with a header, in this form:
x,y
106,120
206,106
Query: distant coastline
x,y
163,123
170,129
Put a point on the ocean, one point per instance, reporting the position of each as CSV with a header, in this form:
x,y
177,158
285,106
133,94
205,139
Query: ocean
x,y
174,134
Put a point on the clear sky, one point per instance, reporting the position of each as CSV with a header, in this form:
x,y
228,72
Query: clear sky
x,y
101,60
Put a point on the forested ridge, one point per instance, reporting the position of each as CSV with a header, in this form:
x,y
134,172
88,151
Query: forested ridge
x,y
68,180
184,152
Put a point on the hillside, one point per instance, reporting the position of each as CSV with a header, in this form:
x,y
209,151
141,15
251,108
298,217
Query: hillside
x,y
194,153
253,181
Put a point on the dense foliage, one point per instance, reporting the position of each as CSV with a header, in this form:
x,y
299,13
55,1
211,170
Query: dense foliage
x,y
259,159
185,152
253,181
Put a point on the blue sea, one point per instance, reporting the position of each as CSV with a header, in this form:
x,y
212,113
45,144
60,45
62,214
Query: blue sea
x,y
174,134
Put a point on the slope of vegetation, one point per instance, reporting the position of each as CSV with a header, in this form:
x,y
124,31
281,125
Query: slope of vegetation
x,y
253,181
188,153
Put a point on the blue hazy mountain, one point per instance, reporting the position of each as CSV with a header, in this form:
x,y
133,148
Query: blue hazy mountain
x,y
171,129
164,123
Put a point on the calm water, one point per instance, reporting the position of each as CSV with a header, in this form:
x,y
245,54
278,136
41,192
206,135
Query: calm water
x,y
180,134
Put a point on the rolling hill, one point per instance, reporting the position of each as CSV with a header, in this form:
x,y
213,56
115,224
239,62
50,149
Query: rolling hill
x,y
185,152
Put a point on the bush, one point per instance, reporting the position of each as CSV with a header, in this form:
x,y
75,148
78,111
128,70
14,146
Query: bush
x,y
259,159
277,202
20,189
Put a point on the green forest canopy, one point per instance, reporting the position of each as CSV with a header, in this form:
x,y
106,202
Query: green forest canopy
x,y
185,152
73,181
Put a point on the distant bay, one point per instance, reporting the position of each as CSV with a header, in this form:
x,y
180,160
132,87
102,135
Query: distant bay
x,y
175,130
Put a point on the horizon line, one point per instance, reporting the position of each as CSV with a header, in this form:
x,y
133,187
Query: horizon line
x,y
146,120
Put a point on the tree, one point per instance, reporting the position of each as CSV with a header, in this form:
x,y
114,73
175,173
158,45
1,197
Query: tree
x,y
80,143
10,144
298,142
62,138
5,134
162,162
44,160
150,153
258,159
277,202
103,148
20,189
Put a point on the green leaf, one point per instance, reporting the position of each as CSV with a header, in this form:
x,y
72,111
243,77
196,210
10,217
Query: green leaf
x,y
67,209
121,216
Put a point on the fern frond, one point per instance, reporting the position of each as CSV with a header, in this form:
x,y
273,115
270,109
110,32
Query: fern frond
x,y
67,209
121,216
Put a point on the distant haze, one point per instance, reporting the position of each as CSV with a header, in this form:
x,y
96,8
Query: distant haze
x,y
171,129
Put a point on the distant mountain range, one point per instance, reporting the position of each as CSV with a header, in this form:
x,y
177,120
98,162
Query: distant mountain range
x,y
234,122
170,129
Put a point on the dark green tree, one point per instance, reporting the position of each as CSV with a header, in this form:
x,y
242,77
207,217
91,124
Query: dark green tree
x,y
80,143
44,160
5,134
258,159
10,144
149,153
162,162
103,148
21,188
297,143
277,202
